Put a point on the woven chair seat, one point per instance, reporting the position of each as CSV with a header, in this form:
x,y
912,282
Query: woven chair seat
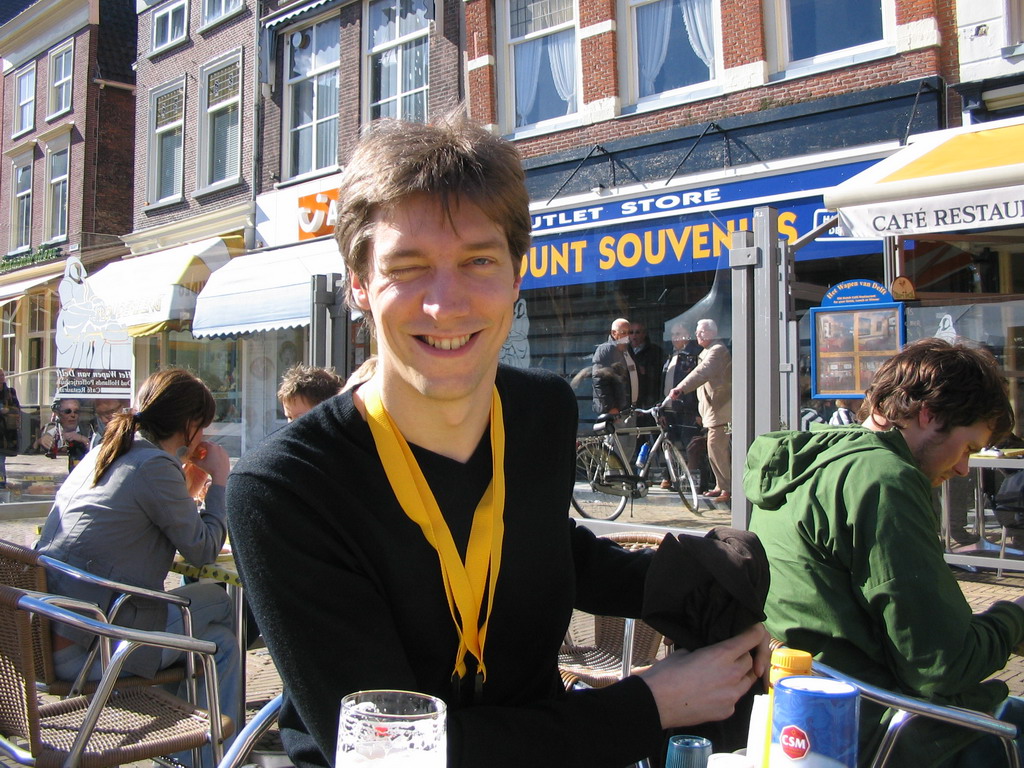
x,y
599,664
166,723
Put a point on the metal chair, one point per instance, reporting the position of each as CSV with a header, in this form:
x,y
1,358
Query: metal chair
x,y
254,730
110,727
910,707
24,568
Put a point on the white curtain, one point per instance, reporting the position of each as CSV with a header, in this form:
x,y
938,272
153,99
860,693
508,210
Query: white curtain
x,y
527,72
699,20
562,55
654,26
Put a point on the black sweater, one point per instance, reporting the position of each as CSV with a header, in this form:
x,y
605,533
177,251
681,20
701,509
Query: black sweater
x,y
348,593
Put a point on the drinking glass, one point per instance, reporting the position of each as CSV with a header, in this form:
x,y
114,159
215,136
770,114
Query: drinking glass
x,y
687,752
392,728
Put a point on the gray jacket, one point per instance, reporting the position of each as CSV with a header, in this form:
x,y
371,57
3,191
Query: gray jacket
x,y
127,528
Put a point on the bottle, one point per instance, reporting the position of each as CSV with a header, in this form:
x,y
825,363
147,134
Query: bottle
x,y
641,458
785,663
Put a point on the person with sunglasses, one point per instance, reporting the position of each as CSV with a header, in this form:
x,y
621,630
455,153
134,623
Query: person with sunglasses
x,y
65,434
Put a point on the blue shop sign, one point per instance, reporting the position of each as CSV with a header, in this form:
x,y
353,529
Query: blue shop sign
x,y
688,231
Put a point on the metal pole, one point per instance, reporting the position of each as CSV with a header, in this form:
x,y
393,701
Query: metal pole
x,y
743,260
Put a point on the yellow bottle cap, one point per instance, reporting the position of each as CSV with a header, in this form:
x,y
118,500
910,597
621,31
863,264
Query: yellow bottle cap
x,y
789,661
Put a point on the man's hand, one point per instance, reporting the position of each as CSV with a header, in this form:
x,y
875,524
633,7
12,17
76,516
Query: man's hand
x,y
704,686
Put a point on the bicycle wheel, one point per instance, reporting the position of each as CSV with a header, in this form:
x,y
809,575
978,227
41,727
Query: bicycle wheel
x,y
597,494
682,479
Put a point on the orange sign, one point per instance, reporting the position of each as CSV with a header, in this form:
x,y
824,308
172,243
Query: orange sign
x,y
316,214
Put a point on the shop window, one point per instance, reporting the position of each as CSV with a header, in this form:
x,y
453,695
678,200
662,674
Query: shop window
x,y
21,213
220,108
57,175
673,44
61,66
169,25
311,97
167,113
542,60
814,32
398,58
215,10
25,95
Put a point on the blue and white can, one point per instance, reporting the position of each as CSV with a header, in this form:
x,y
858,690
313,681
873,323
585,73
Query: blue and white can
x,y
814,723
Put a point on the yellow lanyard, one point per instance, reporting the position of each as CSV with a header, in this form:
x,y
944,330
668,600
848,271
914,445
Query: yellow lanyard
x,y
464,584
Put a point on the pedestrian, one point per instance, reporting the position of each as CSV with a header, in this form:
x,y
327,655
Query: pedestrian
x,y
10,427
712,379
305,386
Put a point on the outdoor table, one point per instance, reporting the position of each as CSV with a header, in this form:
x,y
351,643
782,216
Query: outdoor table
x,y
223,570
975,555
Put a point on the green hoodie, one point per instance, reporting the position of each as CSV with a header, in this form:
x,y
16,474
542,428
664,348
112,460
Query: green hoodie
x,y
858,577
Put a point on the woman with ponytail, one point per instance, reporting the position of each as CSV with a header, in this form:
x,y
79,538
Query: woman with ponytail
x,y
129,505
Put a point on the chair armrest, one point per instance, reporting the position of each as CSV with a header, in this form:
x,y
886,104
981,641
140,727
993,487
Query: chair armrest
x,y
115,631
247,738
70,603
129,589
978,721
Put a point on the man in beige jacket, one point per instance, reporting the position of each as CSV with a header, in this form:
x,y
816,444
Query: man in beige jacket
x,y
712,378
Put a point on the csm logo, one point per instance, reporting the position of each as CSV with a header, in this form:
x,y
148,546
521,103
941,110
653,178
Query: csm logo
x,y
794,742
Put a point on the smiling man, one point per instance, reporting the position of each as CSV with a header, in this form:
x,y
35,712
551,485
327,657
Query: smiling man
x,y
413,533
857,572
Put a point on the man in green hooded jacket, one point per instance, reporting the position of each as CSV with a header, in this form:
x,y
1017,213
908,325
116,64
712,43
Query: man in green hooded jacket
x,y
857,571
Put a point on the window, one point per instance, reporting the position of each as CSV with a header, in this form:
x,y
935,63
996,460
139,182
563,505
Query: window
x,y
169,25
167,114
8,336
219,122
397,47
1015,22
674,44
311,107
542,59
213,10
57,163
61,65
21,215
25,96
813,30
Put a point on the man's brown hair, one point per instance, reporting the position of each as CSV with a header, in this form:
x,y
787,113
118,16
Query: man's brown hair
x,y
960,385
312,384
452,159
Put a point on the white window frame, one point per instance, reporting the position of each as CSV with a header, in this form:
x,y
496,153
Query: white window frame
x,y
206,115
507,91
777,42
167,11
60,89
396,44
153,165
1015,24
287,129
217,10
24,160
24,126
55,220
630,68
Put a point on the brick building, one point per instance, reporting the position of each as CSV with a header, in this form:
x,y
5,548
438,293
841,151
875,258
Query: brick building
x,y
67,164
651,129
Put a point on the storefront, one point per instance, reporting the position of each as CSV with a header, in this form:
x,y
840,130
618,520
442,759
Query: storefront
x,y
259,305
658,254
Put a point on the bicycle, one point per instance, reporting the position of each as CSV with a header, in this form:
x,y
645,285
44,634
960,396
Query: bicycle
x,y
606,480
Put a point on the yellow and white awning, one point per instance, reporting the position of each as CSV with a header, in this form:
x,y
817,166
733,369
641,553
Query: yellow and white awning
x,y
157,291
958,180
